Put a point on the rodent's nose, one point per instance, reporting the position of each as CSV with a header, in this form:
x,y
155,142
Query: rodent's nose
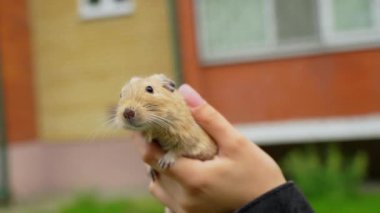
x,y
128,113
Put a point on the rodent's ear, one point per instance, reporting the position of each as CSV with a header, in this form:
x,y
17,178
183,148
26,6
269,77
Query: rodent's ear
x,y
133,79
170,85
167,83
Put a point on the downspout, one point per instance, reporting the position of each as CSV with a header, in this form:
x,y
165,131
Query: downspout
x,y
4,188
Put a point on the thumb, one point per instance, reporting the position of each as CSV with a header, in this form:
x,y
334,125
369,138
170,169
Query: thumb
x,y
209,118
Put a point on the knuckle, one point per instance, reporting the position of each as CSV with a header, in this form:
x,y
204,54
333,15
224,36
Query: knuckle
x,y
239,142
186,204
152,188
206,115
148,158
196,185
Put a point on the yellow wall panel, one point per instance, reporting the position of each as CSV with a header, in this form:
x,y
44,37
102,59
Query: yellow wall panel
x,y
80,66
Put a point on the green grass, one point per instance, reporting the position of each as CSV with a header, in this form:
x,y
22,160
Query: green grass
x,y
90,203
329,175
363,203
331,179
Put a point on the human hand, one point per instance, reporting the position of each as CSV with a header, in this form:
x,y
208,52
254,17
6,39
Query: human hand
x,y
239,173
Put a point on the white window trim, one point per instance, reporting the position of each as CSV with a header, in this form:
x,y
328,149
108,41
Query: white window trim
x,y
328,42
360,127
233,56
105,9
331,38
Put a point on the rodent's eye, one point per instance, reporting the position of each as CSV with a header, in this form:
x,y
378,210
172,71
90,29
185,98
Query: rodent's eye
x,y
149,89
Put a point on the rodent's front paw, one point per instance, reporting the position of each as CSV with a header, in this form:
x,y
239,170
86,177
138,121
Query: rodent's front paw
x,y
166,161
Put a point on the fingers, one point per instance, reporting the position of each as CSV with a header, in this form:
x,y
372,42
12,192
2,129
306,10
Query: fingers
x,y
157,191
149,151
185,169
209,118
167,210
152,154
139,142
192,98
215,125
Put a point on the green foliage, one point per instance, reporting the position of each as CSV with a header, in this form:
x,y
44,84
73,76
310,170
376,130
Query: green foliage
x,y
91,203
333,176
363,203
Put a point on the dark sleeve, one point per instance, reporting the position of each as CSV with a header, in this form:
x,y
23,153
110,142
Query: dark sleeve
x,y
283,199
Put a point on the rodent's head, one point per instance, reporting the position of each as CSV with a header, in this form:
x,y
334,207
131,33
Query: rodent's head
x,y
146,102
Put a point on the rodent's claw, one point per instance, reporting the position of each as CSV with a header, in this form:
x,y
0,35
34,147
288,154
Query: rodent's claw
x,y
166,161
153,174
164,164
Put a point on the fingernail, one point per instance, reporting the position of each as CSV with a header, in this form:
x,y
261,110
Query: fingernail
x,y
192,97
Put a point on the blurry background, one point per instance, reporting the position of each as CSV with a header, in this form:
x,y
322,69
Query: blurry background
x,y
299,77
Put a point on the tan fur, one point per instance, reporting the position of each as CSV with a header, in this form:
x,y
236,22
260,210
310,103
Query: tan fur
x,y
175,130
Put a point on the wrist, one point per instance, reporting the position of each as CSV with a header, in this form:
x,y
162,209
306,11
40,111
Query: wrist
x,y
256,191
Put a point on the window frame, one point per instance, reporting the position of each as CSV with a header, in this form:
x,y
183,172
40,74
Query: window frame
x,y
236,55
328,42
332,38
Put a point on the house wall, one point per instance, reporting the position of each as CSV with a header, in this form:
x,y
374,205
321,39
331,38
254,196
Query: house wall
x,y
16,72
43,170
324,85
80,66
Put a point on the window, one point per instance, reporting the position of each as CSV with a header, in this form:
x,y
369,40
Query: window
x,y
253,29
350,21
229,28
296,21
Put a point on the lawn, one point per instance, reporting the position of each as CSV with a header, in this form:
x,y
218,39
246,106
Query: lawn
x,y
363,203
333,183
88,203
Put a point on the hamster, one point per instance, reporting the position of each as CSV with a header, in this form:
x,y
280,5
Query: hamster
x,y
154,107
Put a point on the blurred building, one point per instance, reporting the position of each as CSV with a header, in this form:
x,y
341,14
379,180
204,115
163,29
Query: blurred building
x,y
61,74
288,71
283,71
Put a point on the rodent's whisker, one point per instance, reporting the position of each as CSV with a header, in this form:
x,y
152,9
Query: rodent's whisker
x,y
101,130
112,112
163,120
110,121
150,105
152,109
157,122
153,122
164,116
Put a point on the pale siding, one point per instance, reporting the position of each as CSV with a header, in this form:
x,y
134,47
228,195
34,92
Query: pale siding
x,y
80,66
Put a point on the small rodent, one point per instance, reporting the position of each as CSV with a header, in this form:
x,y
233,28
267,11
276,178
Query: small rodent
x,y
153,106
